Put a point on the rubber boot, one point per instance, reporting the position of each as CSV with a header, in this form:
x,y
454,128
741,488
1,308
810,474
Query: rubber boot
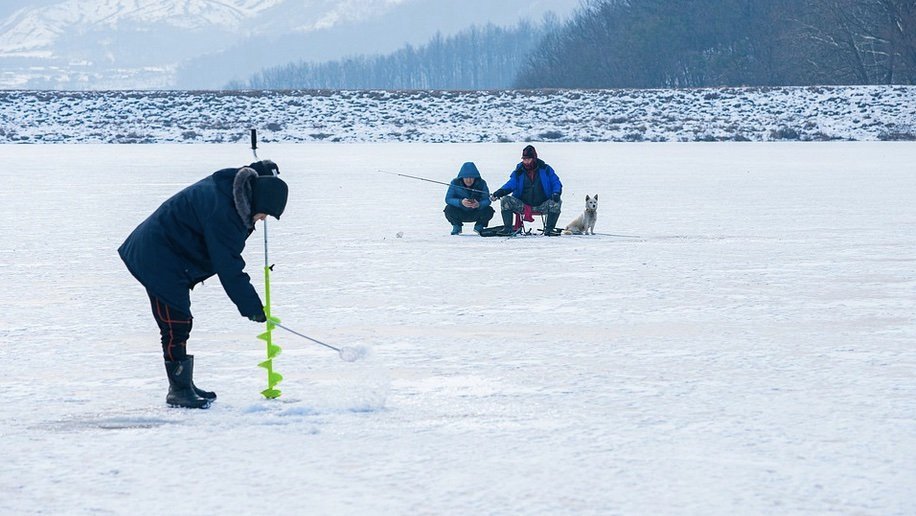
x,y
507,223
507,218
181,390
456,229
207,395
551,224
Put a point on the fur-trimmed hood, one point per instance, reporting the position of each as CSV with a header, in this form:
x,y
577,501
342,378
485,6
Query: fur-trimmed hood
x,y
242,193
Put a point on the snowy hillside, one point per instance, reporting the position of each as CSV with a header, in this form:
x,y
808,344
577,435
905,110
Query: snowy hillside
x,y
75,44
737,114
113,43
35,31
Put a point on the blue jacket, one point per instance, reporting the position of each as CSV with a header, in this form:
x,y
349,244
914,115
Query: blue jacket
x,y
549,180
198,232
457,191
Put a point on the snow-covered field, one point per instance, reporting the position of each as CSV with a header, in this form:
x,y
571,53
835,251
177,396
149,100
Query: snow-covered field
x,y
751,352
814,113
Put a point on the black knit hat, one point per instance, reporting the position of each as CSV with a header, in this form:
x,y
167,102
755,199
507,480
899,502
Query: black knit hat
x,y
529,152
265,168
268,195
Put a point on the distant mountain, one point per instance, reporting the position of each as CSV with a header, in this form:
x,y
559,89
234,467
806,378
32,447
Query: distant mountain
x,y
116,43
138,44
37,32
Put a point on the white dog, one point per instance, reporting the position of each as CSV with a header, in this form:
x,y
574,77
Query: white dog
x,y
585,222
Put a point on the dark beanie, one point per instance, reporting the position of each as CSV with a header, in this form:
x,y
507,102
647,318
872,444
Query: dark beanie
x,y
268,195
529,152
265,168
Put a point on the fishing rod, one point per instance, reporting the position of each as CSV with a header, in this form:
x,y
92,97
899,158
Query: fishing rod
x,y
434,181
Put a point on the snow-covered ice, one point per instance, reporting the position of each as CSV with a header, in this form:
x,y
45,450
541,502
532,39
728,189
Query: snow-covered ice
x,y
752,351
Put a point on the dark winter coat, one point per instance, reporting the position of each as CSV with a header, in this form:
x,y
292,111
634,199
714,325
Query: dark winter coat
x,y
199,232
549,180
457,191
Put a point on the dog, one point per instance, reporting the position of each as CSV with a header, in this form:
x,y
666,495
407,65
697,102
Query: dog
x,y
585,222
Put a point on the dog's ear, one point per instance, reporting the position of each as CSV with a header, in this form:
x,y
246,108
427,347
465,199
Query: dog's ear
x,y
587,198
596,197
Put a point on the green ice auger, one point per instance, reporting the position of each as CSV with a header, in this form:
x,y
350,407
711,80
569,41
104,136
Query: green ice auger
x,y
273,378
273,350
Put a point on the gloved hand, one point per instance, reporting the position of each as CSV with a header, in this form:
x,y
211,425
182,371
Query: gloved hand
x,y
499,193
265,167
258,317
555,197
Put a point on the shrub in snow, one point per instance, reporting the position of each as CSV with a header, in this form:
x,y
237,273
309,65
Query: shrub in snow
x,y
784,133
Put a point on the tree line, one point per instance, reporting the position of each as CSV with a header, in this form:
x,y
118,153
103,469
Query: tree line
x,y
478,58
695,43
645,44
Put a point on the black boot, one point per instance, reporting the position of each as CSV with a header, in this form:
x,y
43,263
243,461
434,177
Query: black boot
x,y
507,218
181,390
507,224
207,395
550,226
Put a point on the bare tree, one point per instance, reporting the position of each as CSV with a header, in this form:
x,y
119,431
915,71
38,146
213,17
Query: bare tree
x,y
900,32
478,58
860,41
659,43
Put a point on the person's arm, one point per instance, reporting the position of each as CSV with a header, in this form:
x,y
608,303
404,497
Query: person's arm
x,y
452,197
225,250
506,189
485,196
556,185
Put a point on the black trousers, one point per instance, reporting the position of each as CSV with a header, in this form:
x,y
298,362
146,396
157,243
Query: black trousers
x,y
174,328
480,216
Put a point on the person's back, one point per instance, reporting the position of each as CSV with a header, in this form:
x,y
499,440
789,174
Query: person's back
x,y
191,237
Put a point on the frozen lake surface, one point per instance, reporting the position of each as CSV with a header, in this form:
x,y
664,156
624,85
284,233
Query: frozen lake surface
x,y
751,351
